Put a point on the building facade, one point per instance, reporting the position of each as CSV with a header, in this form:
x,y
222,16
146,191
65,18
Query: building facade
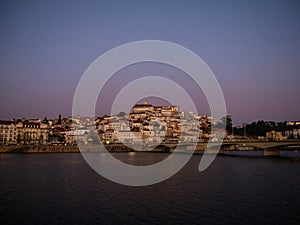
x,y
23,132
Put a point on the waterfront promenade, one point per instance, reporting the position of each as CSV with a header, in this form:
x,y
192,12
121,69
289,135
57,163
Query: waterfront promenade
x,y
268,147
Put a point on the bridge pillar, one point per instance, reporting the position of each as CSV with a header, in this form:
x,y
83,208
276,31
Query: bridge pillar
x,y
271,152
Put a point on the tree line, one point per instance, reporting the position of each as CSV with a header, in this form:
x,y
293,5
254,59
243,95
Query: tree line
x,y
261,127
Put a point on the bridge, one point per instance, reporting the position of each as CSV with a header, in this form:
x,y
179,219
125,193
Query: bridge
x,y
269,148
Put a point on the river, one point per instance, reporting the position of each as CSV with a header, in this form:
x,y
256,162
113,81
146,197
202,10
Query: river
x,y
60,188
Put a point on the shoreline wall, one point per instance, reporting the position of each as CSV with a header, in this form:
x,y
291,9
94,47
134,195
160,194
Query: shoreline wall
x,y
56,149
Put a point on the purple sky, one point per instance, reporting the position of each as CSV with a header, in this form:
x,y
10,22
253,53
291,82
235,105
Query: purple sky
x,y
253,47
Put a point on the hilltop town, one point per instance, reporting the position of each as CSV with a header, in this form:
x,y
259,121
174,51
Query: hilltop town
x,y
146,123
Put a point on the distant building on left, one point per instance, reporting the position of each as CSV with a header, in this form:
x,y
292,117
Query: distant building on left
x,y
23,132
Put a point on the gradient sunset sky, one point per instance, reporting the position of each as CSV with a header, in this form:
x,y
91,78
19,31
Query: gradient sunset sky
x,y
253,48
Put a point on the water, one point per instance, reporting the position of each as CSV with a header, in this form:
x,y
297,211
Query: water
x,y
62,189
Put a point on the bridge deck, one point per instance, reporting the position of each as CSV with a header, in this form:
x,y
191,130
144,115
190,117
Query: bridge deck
x,y
256,144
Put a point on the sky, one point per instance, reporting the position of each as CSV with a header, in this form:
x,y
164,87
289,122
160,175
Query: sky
x,y
252,47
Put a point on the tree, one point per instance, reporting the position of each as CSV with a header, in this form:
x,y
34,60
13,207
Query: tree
x,y
59,120
121,114
45,121
227,122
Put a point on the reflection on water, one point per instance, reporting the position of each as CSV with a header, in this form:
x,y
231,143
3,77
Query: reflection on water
x,y
133,158
63,189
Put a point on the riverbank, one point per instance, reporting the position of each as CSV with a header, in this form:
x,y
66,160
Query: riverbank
x,y
115,148
56,149
38,149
